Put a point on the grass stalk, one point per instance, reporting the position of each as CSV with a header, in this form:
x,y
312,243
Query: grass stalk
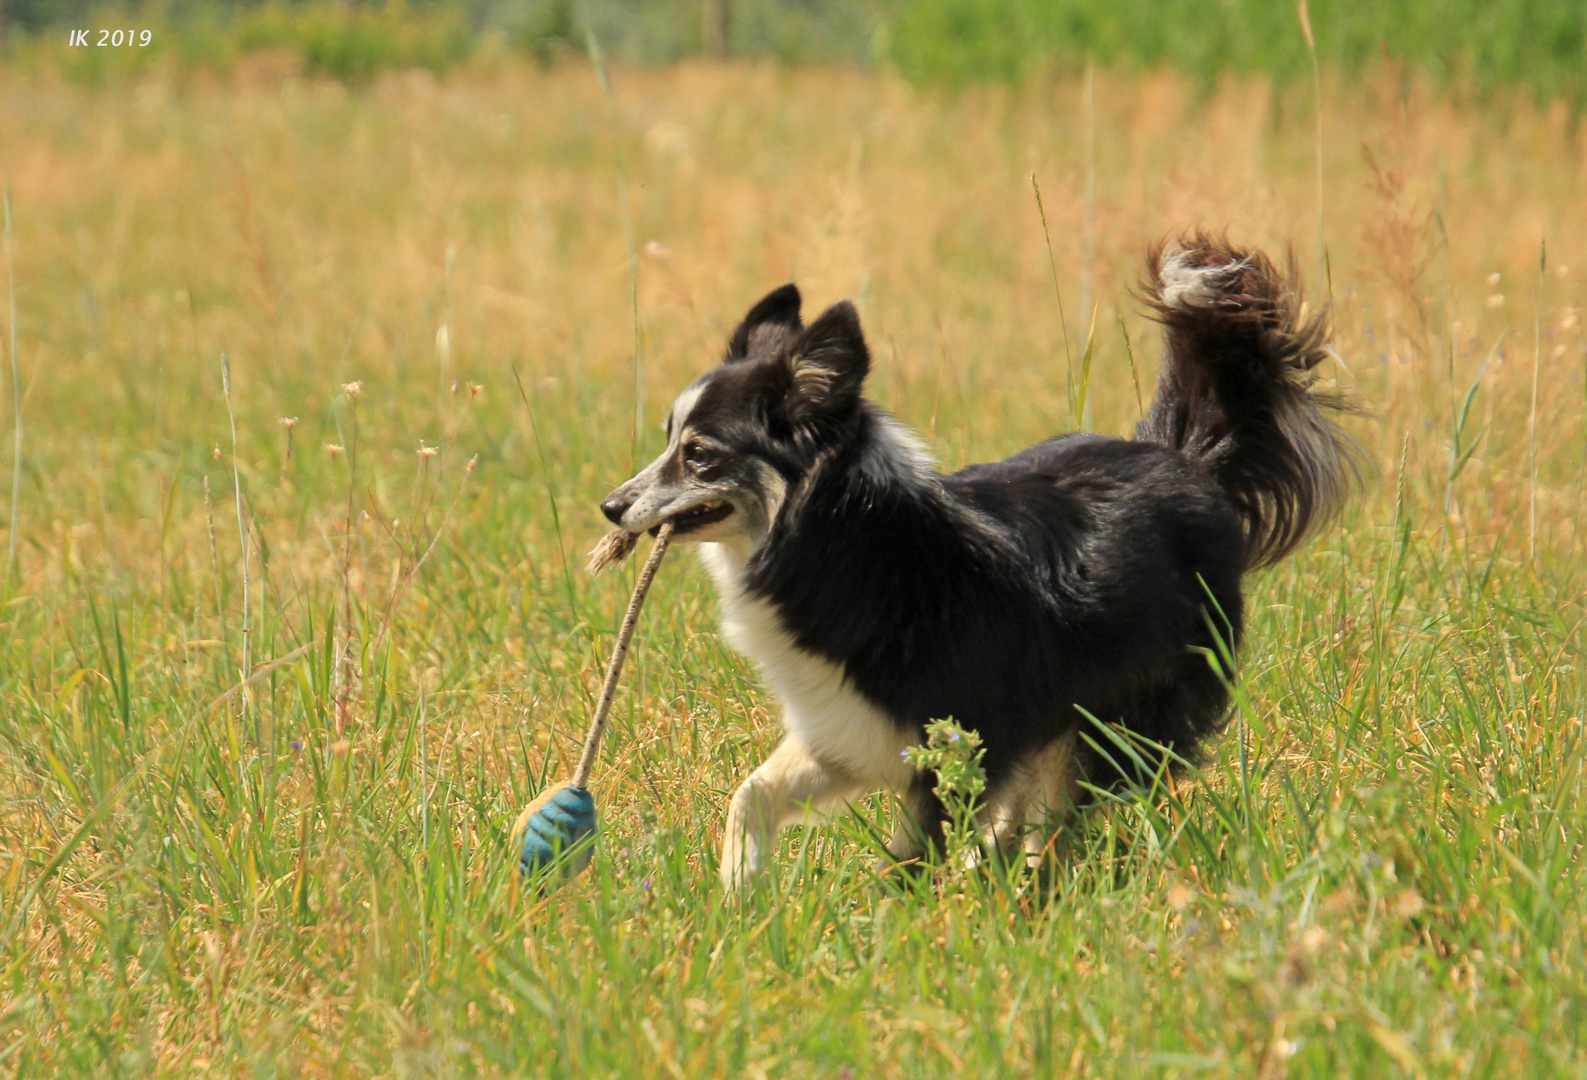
x,y
550,488
1083,394
1531,417
1324,279
1088,252
1461,448
347,668
404,580
242,540
446,382
214,556
16,396
1129,353
424,822
1063,319
598,58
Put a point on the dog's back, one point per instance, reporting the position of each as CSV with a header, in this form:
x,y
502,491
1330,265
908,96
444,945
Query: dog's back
x,y
1128,546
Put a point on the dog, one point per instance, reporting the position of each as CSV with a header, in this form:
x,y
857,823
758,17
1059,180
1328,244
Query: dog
x,y
1085,577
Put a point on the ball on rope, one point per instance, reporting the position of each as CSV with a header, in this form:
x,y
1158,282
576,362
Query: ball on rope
x,y
557,829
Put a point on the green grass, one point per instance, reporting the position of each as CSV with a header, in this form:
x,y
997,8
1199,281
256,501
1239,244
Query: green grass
x,y
1377,871
1485,47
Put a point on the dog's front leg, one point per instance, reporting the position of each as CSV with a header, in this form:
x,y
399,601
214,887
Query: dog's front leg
x,y
788,786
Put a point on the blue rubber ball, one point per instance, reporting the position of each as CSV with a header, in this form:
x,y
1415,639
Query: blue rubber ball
x,y
559,825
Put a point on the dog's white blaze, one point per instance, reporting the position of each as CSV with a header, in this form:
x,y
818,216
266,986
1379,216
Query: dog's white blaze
x,y
820,707
681,408
653,503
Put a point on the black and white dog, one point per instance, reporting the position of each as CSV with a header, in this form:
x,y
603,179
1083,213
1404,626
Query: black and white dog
x,y
1087,572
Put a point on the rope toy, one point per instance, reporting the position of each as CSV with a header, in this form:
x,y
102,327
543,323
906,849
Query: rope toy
x,y
558,827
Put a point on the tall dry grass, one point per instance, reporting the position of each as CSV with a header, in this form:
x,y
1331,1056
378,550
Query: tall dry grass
x,y
310,231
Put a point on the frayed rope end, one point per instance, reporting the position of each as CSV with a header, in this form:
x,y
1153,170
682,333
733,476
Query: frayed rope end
x,y
613,548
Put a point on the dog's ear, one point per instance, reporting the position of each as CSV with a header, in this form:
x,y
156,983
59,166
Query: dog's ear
x,y
778,308
828,365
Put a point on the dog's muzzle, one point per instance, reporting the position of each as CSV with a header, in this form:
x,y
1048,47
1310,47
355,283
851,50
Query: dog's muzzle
x,y
688,519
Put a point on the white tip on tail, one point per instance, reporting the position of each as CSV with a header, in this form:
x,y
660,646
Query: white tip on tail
x,y
1186,285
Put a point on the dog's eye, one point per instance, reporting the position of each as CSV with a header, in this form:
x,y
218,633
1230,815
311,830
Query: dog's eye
x,y
696,454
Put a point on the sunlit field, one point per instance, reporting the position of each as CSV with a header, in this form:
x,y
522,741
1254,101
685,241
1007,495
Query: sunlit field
x,y
454,313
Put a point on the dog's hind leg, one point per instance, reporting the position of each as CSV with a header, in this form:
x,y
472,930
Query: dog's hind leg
x,y
920,821
1053,795
1008,811
790,786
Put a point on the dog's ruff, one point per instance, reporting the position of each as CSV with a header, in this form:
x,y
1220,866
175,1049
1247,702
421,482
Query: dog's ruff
x,y
1083,576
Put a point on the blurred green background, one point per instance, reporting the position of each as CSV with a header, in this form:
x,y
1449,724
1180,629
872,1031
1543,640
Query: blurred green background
x,y
1472,46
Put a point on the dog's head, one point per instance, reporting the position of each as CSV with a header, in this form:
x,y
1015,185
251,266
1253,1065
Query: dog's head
x,y
746,430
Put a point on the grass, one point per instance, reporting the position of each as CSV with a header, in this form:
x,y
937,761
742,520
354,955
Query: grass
x,y
1377,872
1467,43
1485,48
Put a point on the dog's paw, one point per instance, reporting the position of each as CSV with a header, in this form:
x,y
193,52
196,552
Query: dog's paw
x,y
743,863
744,839
896,875
740,881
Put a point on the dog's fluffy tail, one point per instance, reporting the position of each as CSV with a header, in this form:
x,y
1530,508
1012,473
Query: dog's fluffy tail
x,y
1237,389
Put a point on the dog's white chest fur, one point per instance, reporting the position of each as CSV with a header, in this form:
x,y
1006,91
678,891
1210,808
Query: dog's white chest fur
x,y
821,708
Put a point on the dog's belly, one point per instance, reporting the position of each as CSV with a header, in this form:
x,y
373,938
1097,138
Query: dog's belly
x,y
821,708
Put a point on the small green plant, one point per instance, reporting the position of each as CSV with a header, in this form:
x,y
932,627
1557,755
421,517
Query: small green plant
x,y
954,754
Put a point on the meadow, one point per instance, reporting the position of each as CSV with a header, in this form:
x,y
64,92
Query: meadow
x,y
320,388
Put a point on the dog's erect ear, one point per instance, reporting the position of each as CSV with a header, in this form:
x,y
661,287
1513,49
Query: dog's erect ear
x,y
779,308
828,364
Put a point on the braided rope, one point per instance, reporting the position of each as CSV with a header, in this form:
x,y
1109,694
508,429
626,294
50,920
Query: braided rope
x,y
614,667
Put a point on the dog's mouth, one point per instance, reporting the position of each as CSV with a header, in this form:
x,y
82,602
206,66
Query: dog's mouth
x,y
698,517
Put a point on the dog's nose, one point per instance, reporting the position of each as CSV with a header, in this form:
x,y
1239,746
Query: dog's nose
x,y
615,506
